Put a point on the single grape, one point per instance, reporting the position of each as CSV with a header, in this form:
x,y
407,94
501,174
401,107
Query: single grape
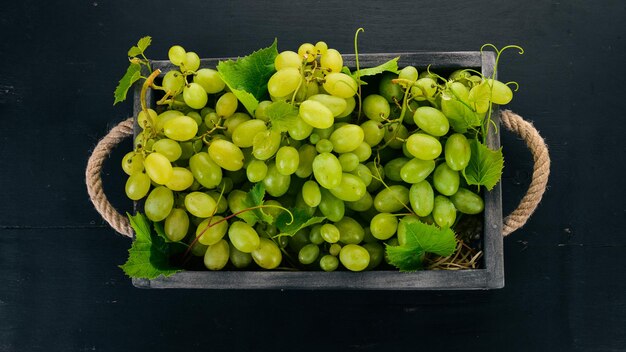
x,y
327,170
232,122
373,132
132,163
315,236
364,173
158,168
256,171
363,204
173,82
467,202
431,121
348,161
393,168
311,193
391,91
267,255
457,152
321,47
354,257
350,105
239,259
266,144
330,233
226,105
416,170
287,160
176,225
444,212
409,73
137,186
329,263
205,170
391,199
422,198
384,226
211,230
145,120
181,179
423,146
284,82
402,227
324,146
243,237
306,155
195,96
261,110
331,61
335,104
276,184
350,189
169,148
500,93
191,62
395,134
347,138
210,80
330,206
376,107
446,180
216,256
176,54
200,204
159,203
287,59
424,88
351,232
225,154
308,254
299,129
307,52
376,252
340,85
243,134
316,114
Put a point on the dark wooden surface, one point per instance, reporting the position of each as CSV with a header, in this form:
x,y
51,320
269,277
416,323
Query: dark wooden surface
x,y
61,289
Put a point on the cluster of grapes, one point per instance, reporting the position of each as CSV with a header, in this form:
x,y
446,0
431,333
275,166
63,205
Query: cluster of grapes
x,y
192,164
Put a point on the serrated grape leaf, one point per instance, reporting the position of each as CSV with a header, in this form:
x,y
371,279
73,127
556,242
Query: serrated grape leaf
x,y
485,165
254,198
459,114
175,247
421,238
133,73
247,76
480,97
134,51
148,257
301,219
282,115
391,66
144,43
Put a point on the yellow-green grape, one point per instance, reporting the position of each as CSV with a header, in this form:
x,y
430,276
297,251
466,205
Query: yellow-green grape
x,y
383,226
457,152
205,170
423,146
266,144
340,85
225,154
158,168
169,148
391,199
222,203
181,179
287,59
416,170
307,52
198,249
391,91
467,202
331,61
363,152
393,168
330,233
351,232
244,133
376,252
500,93
378,173
336,105
256,171
324,146
376,107
306,155
196,117
409,73
284,82
329,263
173,82
145,120
132,163
216,256
350,105
446,180
226,105
354,257
459,90
191,62
299,130
331,207
243,237
237,202
211,230
444,212
395,134
404,222
276,184
176,54
422,198
316,114
347,138
267,255
159,203
261,110
287,160
315,235
348,161
180,128
373,132
165,116
350,189
334,249
233,121
137,186
308,254
431,121
327,170
210,80
363,204
321,47
364,173
194,96
424,88
200,204
176,225
239,259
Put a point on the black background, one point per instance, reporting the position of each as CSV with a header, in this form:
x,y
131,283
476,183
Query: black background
x,y
61,290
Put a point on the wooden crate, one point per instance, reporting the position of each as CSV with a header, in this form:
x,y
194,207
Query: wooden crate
x,y
489,276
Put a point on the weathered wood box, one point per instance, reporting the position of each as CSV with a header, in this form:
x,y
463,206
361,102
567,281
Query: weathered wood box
x,y
489,276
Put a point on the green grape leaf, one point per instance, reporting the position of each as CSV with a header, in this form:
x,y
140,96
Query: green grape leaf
x,y
485,165
141,46
480,97
460,115
301,219
254,198
134,51
391,66
282,115
247,76
148,257
133,73
421,238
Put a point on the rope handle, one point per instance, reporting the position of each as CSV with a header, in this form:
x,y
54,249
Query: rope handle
x,y
510,120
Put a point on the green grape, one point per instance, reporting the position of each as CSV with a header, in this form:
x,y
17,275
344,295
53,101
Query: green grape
x,y
459,75
211,119
372,132
500,93
395,134
308,254
181,179
444,212
267,255
284,82
327,170
299,240
363,204
384,226
431,121
225,154
256,171
409,73
261,110
198,249
226,105
158,168
424,88
232,122
331,61
391,91
376,107
334,249
311,193
169,148
329,263
237,202
287,59
416,170
422,198
176,54
364,173
195,96
378,173
350,105
306,155
210,80
336,105
330,206
423,146
330,233
132,163
316,114
243,237
191,62
347,138
211,230
165,116
159,203
216,256
315,236
391,199
299,129
176,225
324,133
340,85
196,117
180,128
307,52
457,152
351,232
226,185
354,257
266,144
222,203
393,168
243,134
321,48
200,204
137,186
363,151
446,180
348,161
459,90
173,82
467,202
240,259
324,146
205,170
350,189
144,120
376,252
276,184
287,160
402,227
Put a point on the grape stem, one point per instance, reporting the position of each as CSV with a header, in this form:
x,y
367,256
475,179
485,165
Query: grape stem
x,y
358,70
